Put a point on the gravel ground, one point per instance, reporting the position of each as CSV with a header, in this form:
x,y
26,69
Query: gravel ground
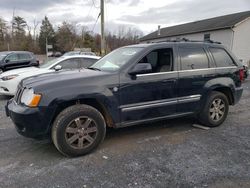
x,y
164,154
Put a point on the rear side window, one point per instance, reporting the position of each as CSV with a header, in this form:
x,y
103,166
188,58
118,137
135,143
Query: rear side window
x,y
221,57
24,56
193,58
87,62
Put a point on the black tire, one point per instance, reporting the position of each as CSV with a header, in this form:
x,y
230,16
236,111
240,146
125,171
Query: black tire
x,y
208,115
70,124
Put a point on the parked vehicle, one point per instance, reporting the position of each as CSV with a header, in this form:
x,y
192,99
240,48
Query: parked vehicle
x,y
78,52
16,59
131,85
57,54
87,53
70,53
9,80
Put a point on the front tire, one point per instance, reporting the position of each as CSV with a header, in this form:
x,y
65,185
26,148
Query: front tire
x,y
78,130
215,110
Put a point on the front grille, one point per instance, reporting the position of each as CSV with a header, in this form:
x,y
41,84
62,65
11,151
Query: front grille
x,y
17,97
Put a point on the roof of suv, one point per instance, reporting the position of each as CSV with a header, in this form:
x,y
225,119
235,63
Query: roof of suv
x,y
186,43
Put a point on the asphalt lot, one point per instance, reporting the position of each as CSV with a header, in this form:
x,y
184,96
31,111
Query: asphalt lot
x,y
165,154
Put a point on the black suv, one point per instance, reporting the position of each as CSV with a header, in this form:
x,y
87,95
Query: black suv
x,y
16,59
131,85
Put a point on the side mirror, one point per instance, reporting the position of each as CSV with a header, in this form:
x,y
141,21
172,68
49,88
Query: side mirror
x,y
7,60
58,67
141,68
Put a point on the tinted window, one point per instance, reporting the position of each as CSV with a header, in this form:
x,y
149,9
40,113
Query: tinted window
x,y
70,64
221,57
12,57
24,57
193,58
87,62
206,37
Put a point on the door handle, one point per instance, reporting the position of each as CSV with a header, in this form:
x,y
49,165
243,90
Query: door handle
x,y
171,80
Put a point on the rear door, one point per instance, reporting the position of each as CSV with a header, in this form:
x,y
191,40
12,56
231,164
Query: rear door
x,y
24,59
196,69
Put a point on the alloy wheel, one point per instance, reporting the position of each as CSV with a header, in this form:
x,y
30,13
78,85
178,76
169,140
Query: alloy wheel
x,y
217,109
81,132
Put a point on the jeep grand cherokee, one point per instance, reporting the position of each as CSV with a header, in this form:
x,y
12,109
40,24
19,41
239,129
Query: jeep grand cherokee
x,y
131,85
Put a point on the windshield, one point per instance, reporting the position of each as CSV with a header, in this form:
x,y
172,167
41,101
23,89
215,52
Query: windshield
x,y
51,62
3,55
116,59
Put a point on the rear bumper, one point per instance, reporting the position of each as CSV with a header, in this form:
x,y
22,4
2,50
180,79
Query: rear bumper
x,y
237,94
29,122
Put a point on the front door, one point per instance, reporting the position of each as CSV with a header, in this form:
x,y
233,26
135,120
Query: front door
x,y
150,96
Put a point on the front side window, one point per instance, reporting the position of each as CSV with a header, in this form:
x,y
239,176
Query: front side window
x,y
12,57
161,60
51,62
116,59
70,64
221,57
193,58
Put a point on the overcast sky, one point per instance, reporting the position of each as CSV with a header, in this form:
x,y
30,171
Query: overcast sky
x,y
145,15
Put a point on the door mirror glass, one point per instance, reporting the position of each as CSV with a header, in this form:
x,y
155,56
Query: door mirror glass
x,y
58,67
141,68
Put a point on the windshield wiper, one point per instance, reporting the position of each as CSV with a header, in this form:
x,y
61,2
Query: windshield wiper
x,y
93,68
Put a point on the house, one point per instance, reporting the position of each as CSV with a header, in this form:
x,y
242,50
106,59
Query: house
x,y
232,30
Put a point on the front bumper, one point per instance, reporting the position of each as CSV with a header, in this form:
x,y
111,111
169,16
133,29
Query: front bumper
x,y
8,88
29,122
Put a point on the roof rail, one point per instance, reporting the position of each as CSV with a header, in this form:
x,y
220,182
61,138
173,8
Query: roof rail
x,y
187,40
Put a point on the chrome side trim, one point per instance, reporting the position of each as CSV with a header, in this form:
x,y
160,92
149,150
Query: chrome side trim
x,y
183,71
124,124
141,107
158,103
192,98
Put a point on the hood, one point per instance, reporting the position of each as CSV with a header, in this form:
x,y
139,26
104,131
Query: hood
x,y
62,77
19,71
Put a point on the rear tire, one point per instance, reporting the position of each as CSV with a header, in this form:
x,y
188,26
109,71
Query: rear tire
x,y
78,130
215,110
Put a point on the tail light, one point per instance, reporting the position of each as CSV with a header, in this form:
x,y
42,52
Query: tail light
x,y
241,72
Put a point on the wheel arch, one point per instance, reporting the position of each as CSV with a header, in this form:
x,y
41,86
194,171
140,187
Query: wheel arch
x,y
60,106
227,91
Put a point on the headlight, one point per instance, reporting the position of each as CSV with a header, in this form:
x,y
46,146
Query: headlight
x,y
29,98
5,78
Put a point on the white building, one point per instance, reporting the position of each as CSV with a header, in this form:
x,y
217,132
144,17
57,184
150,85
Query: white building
x,y
232,30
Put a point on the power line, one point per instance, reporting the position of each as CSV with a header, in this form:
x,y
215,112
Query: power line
x,y
96,21
90,10
93,1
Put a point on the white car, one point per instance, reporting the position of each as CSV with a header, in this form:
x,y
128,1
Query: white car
x,y
9,80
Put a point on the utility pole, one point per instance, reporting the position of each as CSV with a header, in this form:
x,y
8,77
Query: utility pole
x,y
46,41
102,29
